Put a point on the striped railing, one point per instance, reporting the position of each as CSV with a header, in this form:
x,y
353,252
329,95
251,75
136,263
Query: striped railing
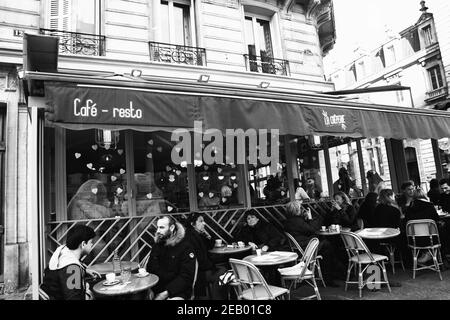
x,y
133,237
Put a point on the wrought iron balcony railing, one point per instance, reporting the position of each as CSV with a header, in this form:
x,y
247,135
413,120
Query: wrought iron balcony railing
x,y
437,93
172,53
266,65
78,43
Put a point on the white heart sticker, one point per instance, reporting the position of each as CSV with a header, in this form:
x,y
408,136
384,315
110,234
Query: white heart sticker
x,y
77,155
235,185
201,194
205,178
119,190
211,194
219,170
122,171
89,165
282,193
159,149
94,190
233,177
221,177
224,199
178,172
94,147
168,168
149,155
120,151
150,142
113,178
169,208
149,195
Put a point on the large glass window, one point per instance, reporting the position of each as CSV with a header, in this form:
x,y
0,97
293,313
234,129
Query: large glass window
x,y
375,160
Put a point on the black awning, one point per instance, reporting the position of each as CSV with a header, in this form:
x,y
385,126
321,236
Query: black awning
x,y
70,105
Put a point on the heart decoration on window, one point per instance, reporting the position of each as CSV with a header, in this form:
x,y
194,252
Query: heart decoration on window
x,y
113,178
169,208
149,195
201,194
119,190
150,142
168,168
77,155
149,155
171,178
205,167
122,171
282,193
211,194
90,166
219,170
178,172
235,185
94,190
221,177
120,151
94,147
224,200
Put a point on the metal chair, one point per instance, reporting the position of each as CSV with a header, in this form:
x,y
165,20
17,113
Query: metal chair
x,y
295,247
423,236
195,280
43,295
252,285
359,255
304,270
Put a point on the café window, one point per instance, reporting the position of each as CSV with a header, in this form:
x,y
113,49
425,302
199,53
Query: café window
x,y
176,22
375,159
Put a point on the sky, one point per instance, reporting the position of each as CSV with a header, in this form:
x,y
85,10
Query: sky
x,y
363,23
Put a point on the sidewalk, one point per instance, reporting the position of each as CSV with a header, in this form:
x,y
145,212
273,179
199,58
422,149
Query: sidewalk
x,y
426,286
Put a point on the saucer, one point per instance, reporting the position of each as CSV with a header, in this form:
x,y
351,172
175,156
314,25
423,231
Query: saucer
x,y
112,283
142,275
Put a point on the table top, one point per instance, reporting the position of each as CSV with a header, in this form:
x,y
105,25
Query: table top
x,y
107,267
136,284
442,214
378,233
331,233
229,250
272,258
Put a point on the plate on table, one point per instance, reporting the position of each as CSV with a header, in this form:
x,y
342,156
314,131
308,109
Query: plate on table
x,y
142,275
111,283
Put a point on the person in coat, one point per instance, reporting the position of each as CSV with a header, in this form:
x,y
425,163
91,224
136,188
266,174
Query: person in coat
x,y
343,212
387,213
173,260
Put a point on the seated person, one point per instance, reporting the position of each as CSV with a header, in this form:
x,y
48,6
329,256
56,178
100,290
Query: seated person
x,y
303,226
228,197
65,276
435,192
406,198
373,179
343,212
261,234
444,200
201,242
300,193
173,260
387,213
367,209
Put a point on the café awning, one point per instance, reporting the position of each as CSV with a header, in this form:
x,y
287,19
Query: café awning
x,y
88,102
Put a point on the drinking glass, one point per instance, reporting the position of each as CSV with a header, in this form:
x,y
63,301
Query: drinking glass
x,y
126,274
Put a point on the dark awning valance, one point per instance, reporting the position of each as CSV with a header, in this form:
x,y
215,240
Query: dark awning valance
x,y
71,105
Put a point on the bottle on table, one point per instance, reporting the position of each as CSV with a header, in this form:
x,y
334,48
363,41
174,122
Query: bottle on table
x,y
117,265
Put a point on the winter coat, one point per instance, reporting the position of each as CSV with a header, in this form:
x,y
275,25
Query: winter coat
x,y
345,217
303,230
444,202
64,278
173,261
386,216
263,234
421,209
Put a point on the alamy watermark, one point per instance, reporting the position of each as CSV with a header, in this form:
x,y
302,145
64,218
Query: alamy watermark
x,y
259,142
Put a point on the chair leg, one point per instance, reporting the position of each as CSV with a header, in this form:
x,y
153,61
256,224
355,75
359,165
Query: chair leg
x,y
436,262
414,253
316,289
360,280
385,276
319,271
349,269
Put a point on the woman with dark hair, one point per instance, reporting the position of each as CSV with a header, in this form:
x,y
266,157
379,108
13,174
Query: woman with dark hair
x,y
343,212
201,241
367,209
435,192
374,179
387,213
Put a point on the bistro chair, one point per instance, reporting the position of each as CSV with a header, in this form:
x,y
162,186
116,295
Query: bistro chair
x,y
423,236
358,256
304,270
43,295
295,247
144,262
252,285
194,280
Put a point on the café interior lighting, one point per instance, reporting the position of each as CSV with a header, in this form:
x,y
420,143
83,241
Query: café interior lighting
x,y
107,139
264,84
136,73
204,78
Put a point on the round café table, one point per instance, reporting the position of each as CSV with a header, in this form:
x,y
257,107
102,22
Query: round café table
x,y
272,258
226,250
134,285
378,233
107,267
328,232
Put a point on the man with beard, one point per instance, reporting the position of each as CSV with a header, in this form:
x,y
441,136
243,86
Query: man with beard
x,y
173,260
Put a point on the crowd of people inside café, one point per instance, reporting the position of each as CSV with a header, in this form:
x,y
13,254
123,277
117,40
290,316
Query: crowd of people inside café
x,y
182,249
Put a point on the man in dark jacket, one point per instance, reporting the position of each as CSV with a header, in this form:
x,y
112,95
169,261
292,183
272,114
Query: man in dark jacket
x,y
444,201
262,234
65,276
173,260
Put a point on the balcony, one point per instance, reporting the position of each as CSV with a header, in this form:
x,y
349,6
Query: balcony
x,y
78,43
171,53
436,94
266,65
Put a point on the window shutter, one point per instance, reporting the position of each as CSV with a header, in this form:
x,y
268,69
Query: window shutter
x,y
60,14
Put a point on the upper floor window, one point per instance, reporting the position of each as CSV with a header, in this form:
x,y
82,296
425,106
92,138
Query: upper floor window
x,y
435,77
75,15
390,52
427,35
257,37
176,22
362,69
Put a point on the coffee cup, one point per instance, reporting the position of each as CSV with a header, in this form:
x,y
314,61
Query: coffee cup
x,y
218,242
110,277
241,244
324,228
258,252
142,271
